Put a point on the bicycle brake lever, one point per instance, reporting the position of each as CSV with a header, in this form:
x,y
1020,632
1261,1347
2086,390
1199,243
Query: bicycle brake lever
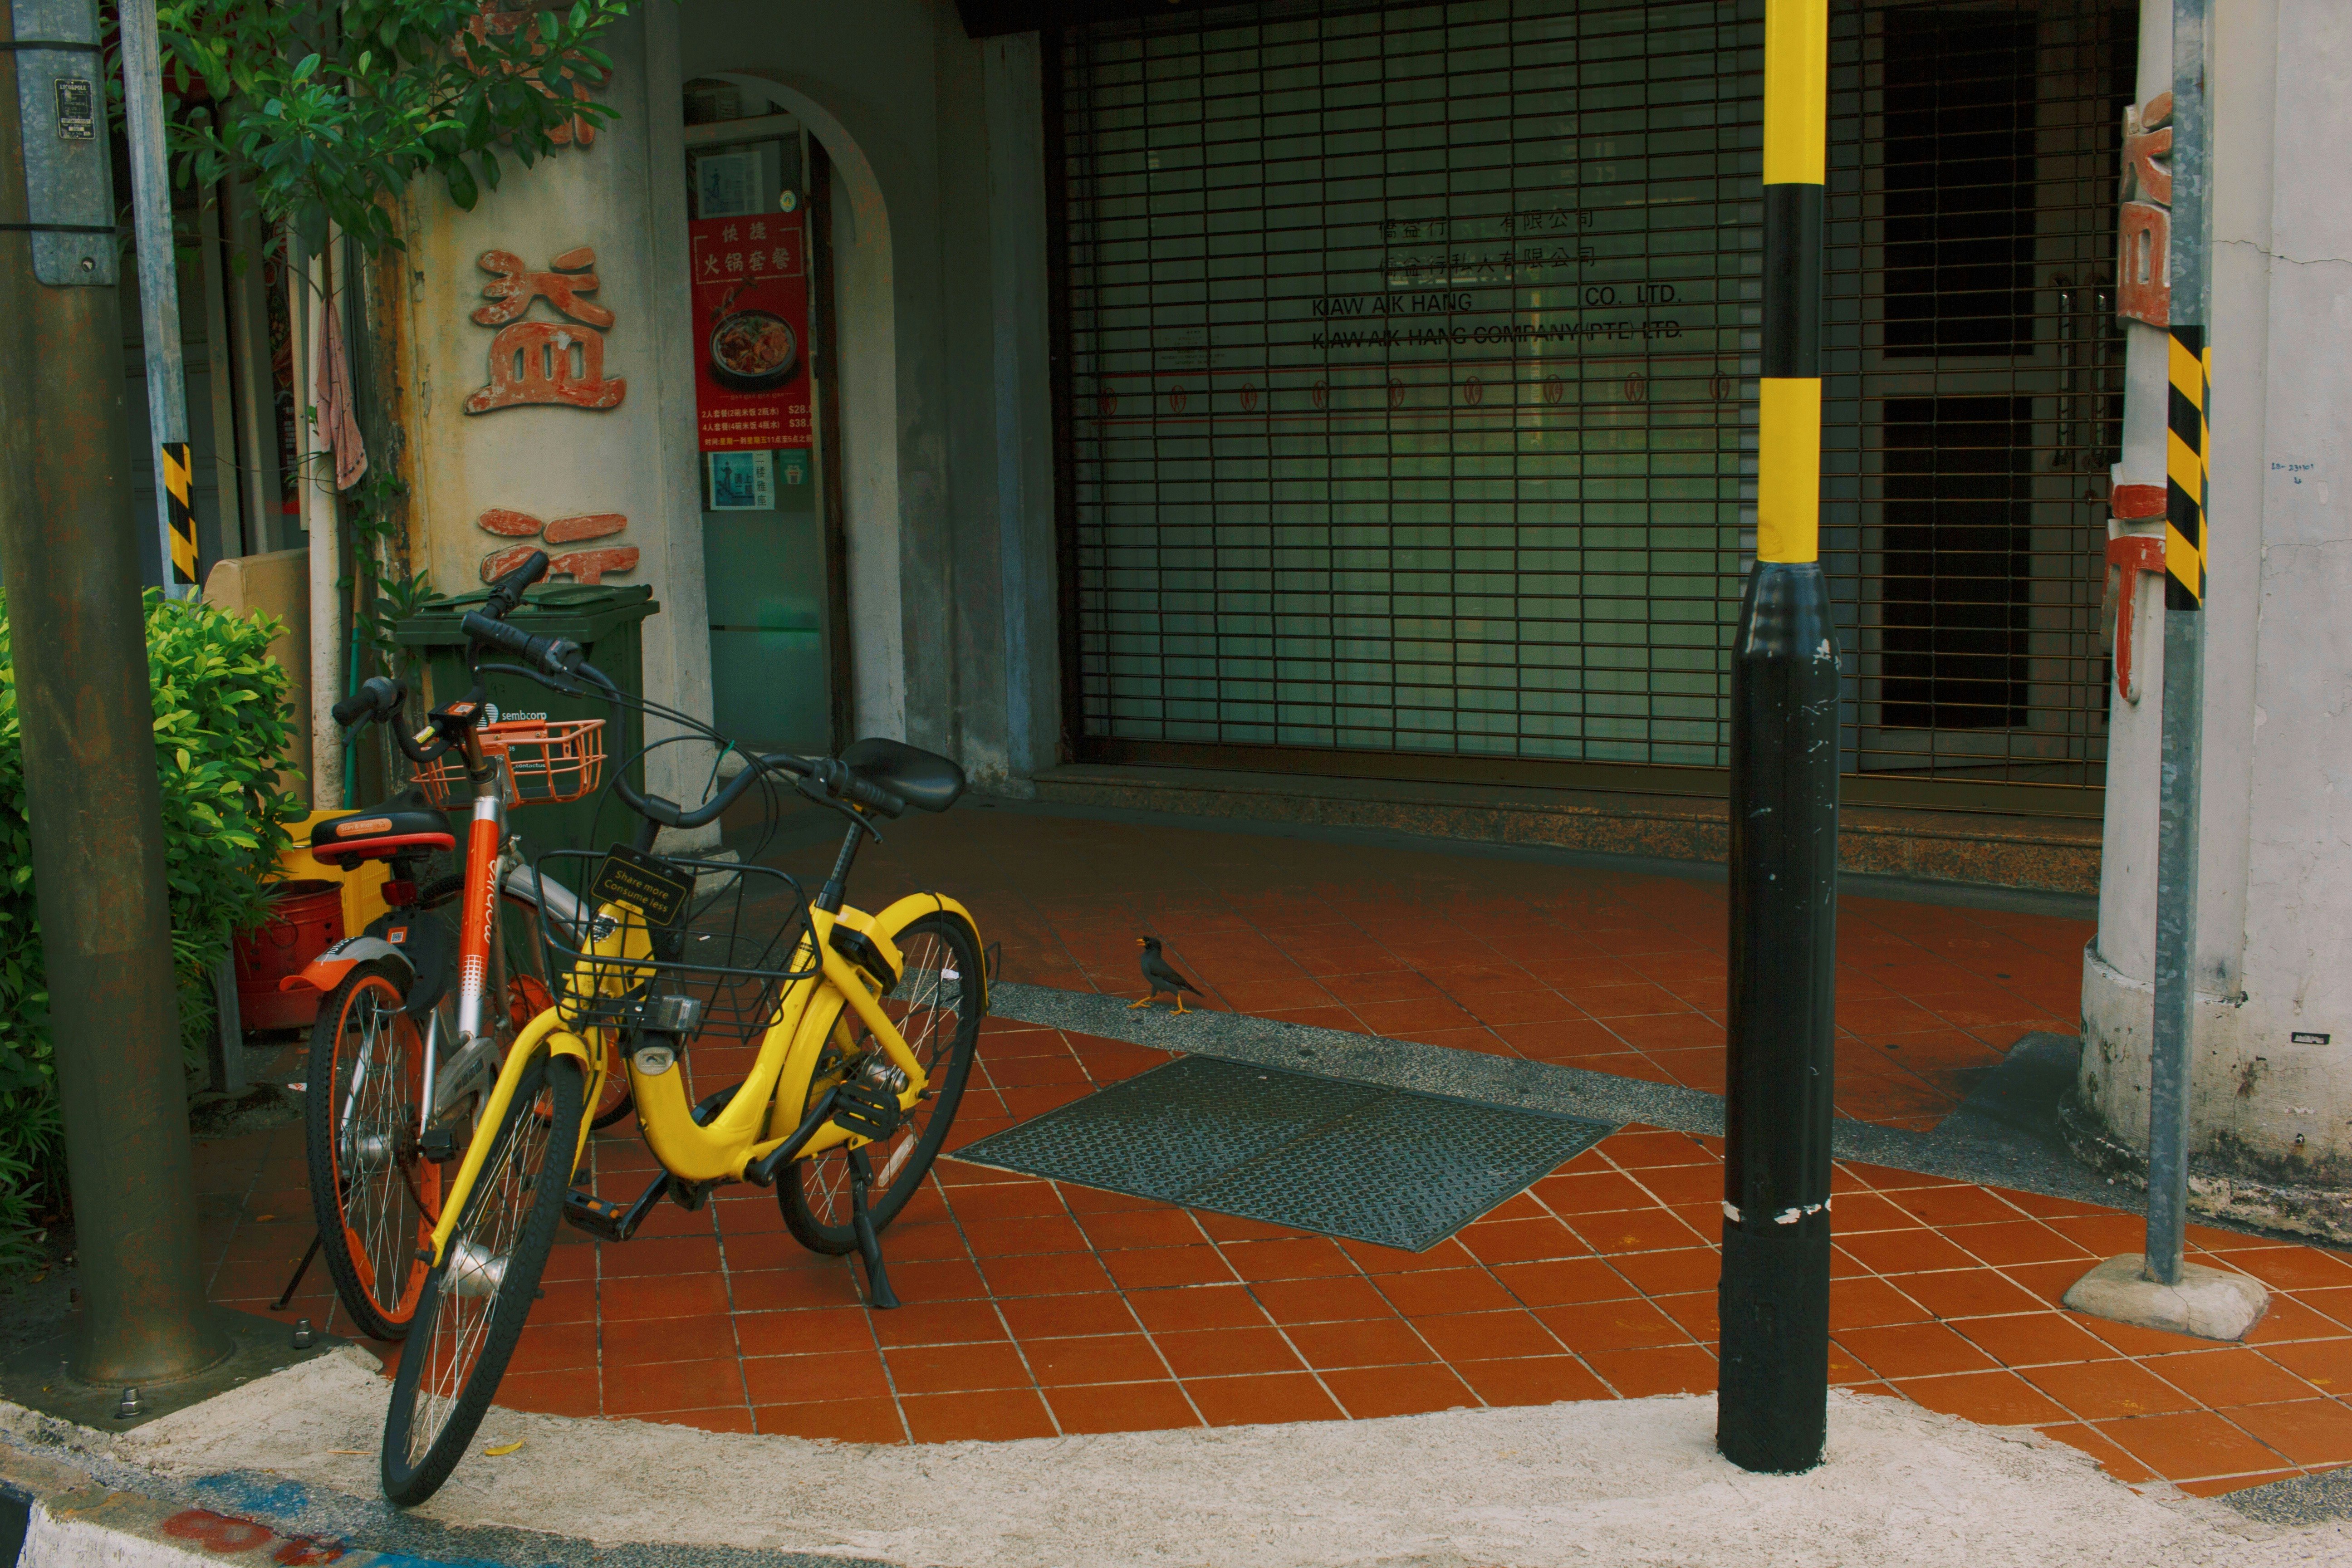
x,y
816,792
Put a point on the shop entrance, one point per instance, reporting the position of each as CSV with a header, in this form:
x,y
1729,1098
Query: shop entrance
x,y
773,579
1411,422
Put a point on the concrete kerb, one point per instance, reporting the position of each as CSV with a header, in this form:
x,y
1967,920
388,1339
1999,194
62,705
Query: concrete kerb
x,y
280,1472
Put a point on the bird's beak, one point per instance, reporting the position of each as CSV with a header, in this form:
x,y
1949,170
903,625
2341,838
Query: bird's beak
x,y
1139,941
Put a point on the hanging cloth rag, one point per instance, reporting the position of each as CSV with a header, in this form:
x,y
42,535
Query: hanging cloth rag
x,y
337,429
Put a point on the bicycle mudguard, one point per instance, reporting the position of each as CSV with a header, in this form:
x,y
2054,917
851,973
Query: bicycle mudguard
x,y
327,971
426,942
914,907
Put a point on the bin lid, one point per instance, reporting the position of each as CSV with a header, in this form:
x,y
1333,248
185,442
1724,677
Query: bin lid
x,y
573,610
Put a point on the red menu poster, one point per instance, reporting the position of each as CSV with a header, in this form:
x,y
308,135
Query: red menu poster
x,y
750,322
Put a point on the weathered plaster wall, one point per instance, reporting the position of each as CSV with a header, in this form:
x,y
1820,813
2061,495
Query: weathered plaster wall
x,y
2276,867
557,462
939,244
938,248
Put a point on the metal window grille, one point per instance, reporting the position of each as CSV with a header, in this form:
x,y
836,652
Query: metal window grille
x,y
1412,358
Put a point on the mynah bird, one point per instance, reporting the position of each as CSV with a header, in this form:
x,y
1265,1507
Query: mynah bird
x,y
1161,976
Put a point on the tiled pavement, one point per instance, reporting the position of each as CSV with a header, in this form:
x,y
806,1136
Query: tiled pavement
x,y
1601,970
1036,1308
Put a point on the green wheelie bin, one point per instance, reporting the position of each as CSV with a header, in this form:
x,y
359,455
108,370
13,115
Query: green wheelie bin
x,y
606,621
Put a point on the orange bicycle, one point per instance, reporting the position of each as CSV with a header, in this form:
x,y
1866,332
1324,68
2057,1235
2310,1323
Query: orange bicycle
x,y
414,1018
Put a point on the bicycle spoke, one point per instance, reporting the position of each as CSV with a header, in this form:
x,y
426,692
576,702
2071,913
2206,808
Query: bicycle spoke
x,y
472,1284
926,1006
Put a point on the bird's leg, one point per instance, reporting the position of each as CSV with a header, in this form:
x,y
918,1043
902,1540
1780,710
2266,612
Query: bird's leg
x,y
1179,1002
1132,1007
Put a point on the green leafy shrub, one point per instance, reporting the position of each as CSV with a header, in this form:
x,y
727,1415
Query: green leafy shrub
x,y
221,728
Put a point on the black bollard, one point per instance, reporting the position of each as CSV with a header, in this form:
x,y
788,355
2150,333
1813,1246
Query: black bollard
x,y
1775,1297
1772,1402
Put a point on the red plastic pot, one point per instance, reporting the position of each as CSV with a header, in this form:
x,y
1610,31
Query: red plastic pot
x,y
305,920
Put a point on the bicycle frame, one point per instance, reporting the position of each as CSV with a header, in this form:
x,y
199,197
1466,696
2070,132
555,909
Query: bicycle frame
x,y
486,872
766,1109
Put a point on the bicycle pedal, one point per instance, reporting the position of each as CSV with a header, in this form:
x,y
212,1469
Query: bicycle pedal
x,y
868,1109
439,1145
598,1217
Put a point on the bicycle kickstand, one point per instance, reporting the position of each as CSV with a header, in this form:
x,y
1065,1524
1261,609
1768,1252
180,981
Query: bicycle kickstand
x,y
878,1293
317,1239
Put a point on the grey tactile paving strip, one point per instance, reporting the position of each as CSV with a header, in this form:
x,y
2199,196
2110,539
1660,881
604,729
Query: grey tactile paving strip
x,y
1984,1141
1333,1155
2303,1500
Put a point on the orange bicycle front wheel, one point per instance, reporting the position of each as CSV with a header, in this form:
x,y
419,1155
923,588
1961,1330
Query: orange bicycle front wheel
x,y
374,1194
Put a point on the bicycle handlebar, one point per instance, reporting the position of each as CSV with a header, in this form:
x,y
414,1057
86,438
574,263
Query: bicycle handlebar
x,y
507,592
558,662
378,698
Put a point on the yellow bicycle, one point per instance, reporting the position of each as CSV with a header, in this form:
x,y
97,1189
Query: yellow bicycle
x,y
866,1026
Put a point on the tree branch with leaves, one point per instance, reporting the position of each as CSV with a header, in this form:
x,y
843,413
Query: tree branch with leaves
x,y
330,111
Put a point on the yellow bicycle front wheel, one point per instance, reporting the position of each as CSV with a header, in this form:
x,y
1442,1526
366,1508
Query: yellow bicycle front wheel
x,y
475,1301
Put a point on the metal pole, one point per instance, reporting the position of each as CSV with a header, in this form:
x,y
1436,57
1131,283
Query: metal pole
x,y
82,697
2187,443
159,296
1773,1406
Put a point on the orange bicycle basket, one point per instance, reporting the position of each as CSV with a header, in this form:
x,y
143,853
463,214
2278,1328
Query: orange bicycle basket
x,y
546,762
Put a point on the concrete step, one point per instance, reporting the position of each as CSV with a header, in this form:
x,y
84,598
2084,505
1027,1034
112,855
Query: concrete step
x,y
2048,854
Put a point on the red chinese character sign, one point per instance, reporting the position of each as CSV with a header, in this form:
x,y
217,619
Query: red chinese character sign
x,y
750,311
2144,277
539,363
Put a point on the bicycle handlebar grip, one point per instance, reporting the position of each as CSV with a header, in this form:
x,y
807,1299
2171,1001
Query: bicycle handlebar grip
x,y
507,592
375,698
835,775
872,795
498,634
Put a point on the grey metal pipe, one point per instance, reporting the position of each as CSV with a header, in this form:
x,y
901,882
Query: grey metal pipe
x,y
2172,1037
78,640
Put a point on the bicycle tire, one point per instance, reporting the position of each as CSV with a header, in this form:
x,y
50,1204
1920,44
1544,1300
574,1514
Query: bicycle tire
x,y
476,1300
528,994
940,951
373,1192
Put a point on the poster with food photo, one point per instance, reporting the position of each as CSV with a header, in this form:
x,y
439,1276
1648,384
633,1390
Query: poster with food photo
x,y
750,309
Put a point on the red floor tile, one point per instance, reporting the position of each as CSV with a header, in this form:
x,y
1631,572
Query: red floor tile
x,y
839,1421
2191,1445
1122,1407
1099,1358
1368,1393
1994,1398
1247,1401
1219,1353
996,1416
1665,1369
829,1377
1369,1342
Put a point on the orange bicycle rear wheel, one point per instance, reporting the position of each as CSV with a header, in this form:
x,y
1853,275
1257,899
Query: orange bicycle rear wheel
x,y
375,1196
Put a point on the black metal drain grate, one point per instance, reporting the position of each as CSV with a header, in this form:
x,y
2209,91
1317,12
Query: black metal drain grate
x,y
1330,1155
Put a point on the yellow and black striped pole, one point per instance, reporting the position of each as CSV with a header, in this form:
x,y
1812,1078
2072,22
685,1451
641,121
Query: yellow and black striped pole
x,y
179,472
1773,1401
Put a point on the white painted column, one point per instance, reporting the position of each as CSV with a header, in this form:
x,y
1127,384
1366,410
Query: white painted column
x,y
2271,1091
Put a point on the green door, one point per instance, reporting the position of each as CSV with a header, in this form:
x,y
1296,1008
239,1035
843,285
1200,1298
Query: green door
x,y
762,528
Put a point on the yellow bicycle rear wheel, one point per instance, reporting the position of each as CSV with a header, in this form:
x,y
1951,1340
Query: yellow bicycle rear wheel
x,y
937,1006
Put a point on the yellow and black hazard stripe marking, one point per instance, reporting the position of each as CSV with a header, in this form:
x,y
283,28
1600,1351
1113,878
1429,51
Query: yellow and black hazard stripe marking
x,y
179,476
2188,439
1789,422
